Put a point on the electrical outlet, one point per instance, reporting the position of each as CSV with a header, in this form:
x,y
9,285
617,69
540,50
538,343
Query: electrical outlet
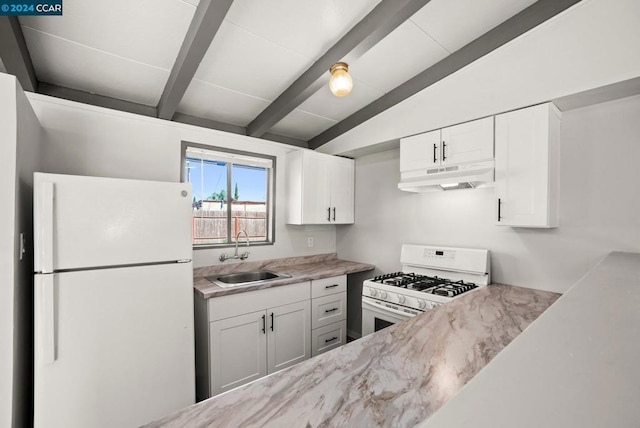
x,y
310,242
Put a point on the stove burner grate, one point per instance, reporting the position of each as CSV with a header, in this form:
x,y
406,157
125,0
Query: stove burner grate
x,y
425,284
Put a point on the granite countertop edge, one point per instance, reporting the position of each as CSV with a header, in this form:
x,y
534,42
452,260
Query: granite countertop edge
x,y
300,269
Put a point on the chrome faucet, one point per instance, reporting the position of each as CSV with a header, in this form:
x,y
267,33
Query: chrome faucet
x,y
242,256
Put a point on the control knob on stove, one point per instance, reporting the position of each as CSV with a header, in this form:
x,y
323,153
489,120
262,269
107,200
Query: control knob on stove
x,y
383,294
422,304
401,298
373,292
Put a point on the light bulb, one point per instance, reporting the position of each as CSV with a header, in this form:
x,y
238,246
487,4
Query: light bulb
x,y
340,82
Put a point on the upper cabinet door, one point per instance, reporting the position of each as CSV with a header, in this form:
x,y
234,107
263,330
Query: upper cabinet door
x,y
420,151
315,190
467,142
527,167
341,174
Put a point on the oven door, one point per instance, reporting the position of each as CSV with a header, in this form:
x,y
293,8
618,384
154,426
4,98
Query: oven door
x,y
376,316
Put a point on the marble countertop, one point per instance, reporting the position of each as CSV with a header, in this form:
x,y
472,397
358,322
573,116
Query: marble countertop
x,y
299,268
395,377
576,366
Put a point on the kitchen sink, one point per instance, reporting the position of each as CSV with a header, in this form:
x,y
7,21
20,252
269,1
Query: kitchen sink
x,y
245,278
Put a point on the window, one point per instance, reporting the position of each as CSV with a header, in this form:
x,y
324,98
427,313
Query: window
x,y
232,192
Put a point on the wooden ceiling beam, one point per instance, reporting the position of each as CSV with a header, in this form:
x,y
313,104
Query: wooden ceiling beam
x,y
203,28
14,53
382,20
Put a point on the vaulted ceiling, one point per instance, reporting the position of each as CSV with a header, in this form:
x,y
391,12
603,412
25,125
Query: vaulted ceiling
x,y
258,68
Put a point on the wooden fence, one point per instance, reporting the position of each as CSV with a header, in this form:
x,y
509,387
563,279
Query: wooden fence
x,y
210,227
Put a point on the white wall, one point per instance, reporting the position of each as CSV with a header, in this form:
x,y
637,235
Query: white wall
x,y
599,207
28,161
87,140
20,135
8,133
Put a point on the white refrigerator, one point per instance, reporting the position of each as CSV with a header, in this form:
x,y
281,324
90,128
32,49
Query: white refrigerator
x,y
114,338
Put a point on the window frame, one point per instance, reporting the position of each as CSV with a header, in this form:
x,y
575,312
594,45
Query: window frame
x,y
271,192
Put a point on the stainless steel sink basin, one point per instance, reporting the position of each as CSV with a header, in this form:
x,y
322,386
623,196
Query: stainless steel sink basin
x,y
245,278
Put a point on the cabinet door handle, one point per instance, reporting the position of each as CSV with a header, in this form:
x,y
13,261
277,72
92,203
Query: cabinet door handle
x,y
329,214
330,310
331,340
330,286
264,324
435,147
271,321
334,213
499,204
444,153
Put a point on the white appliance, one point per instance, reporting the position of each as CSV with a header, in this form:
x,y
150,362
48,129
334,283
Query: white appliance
x,y
469,175
114,338
431,276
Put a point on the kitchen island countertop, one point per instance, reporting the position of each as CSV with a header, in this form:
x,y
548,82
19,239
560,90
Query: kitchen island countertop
x,y
299,268
577,366
395,377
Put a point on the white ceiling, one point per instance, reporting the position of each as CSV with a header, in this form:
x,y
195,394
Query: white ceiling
x,y
125,49
594,44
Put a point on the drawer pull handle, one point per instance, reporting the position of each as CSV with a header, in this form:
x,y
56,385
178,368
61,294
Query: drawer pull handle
x,y
330,310
331,340
264,324
330,286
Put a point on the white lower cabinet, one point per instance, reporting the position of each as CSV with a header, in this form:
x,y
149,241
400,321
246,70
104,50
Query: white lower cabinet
x,y
328,309
238,351
243,337
330,336
328,314
288,338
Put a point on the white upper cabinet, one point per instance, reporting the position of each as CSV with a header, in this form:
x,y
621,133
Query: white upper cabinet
x,y
320,188
467,142
420,151
527,158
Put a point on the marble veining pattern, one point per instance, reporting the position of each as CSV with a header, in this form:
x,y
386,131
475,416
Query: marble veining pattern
x,y
396,377
300,268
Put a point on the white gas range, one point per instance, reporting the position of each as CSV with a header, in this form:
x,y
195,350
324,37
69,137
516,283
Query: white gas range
x,y
430,277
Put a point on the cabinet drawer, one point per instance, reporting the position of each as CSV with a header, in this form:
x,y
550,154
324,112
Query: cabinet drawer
x,y
328,309
328,337
326,286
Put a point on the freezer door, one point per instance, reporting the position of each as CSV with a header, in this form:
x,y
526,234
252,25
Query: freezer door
x,y
86,222
120,351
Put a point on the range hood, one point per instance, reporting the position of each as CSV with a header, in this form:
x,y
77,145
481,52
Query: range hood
x,y
448,177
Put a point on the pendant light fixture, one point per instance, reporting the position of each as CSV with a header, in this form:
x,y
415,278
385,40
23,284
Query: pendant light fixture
x,y
340,82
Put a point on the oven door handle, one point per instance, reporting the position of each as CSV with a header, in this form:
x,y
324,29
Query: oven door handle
x,y
369,303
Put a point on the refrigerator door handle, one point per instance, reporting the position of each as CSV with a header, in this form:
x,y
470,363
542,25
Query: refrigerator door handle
x,y
44,233
47,316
